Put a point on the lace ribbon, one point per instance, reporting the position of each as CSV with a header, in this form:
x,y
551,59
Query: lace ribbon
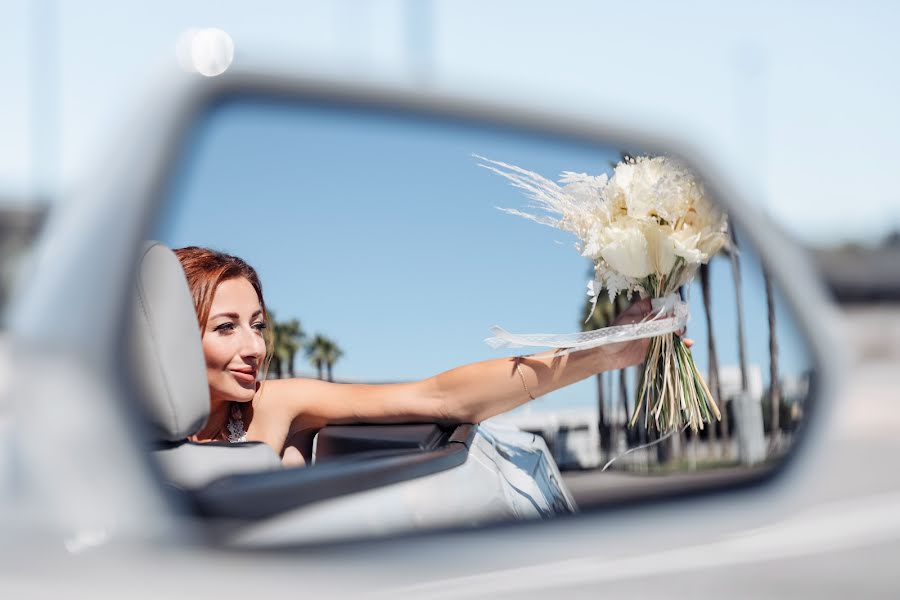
x,y
670,314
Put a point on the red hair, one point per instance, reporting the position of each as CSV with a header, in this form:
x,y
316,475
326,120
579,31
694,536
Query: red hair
x,y
206,269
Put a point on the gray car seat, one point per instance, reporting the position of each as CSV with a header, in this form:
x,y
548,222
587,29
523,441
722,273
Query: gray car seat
x,y
170,368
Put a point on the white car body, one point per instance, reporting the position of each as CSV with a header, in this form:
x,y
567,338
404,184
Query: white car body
x,y
508,476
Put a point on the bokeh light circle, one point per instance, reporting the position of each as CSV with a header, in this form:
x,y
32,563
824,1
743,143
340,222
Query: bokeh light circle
x,y
207,51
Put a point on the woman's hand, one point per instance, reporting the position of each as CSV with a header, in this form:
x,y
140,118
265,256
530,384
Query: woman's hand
x,y
637,312
627,354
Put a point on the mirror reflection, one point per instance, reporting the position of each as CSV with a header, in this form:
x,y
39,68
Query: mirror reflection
x,y
384,260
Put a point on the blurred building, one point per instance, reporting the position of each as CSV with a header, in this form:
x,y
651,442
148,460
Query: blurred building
x,y
858,274
730,381
746,409
795,387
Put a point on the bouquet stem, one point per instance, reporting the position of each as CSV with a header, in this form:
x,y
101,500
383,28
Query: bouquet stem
x,y
672,393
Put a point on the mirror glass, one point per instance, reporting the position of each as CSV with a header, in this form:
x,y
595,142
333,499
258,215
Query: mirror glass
x,y
378,231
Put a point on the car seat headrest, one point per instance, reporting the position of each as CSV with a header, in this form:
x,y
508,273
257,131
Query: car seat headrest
x,y
166,347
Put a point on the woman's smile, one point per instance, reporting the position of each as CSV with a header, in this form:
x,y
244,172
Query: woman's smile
x,y
245,375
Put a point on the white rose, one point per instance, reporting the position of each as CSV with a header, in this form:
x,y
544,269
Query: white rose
x,y
625,250
686,244
703,216
710,244
660,247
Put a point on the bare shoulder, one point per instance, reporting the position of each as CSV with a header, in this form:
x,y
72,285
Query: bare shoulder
x,y
287,389
291,392
294,398
280,403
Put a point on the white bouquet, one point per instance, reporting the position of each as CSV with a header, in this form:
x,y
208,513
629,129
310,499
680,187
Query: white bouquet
x,y
647,229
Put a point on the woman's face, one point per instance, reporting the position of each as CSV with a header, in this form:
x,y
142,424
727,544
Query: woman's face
x,y
233,343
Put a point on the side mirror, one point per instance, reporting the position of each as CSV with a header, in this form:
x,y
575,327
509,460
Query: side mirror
x,y
370,222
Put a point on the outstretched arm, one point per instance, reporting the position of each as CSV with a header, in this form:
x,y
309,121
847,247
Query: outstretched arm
x,y
466,394
475,392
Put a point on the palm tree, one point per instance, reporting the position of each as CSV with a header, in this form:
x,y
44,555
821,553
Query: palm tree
x,y
600,317
733,254
602,421
334,354
621,306
714,386
774,386
323,353
285,339
678,442
316,351
736,274
275,345
623,398
292,335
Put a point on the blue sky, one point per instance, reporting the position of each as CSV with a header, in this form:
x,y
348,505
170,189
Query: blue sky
x,y
382,232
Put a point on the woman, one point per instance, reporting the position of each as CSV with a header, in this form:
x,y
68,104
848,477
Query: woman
x,y
231,311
